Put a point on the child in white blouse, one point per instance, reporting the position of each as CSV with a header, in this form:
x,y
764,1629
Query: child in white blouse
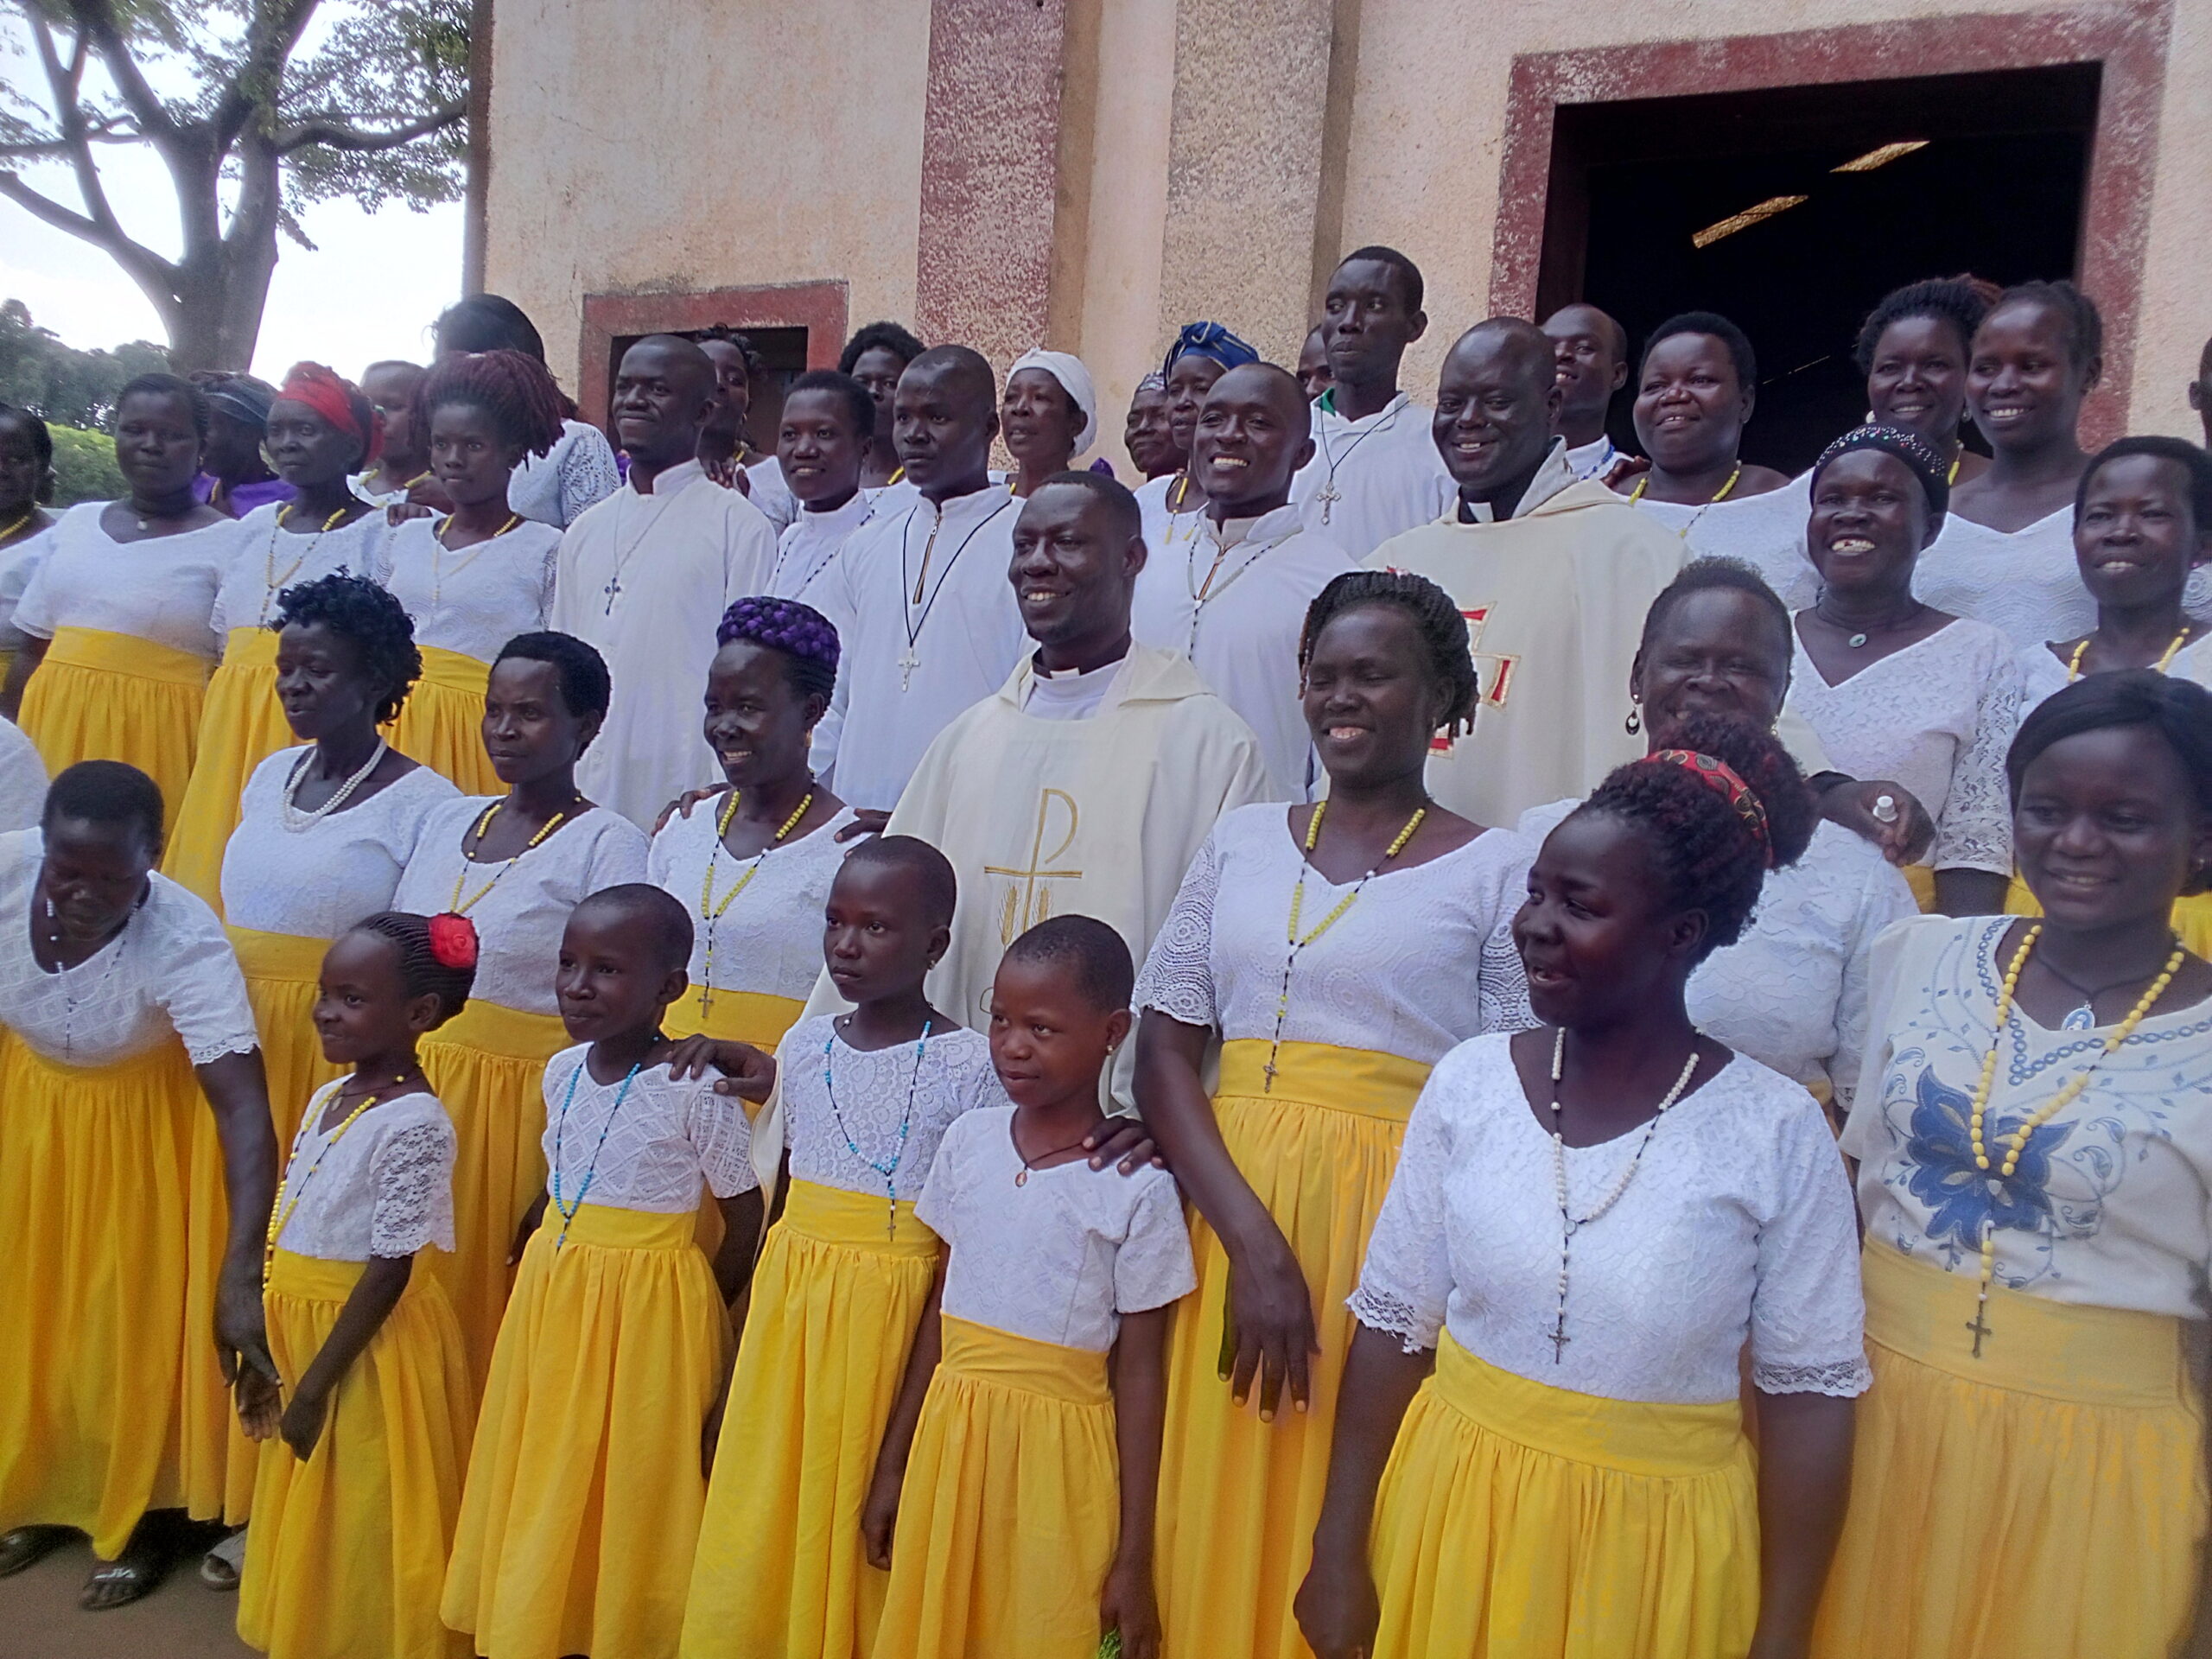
x,y
1060,1275
359,1482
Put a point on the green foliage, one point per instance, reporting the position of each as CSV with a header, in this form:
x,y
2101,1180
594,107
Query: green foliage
x,y
84,466
38,372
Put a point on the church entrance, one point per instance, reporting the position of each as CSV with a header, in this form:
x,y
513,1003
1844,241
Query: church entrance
x,y
1794,209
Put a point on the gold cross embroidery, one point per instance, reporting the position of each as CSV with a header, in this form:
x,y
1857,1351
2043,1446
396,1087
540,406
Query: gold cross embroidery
x,y
1493,670
1025,903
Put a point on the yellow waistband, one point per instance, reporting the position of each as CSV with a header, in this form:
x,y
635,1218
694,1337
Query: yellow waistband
x,y
751,1017
167,1052
126,653
498,1029
2090,1356
313,1279
278,955
983,1351
625,1230
454,670
859,1219
250,647
1637,1436
1362,1081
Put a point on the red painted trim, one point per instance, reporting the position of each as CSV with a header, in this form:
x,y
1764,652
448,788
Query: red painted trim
x,y
2128,37
818,308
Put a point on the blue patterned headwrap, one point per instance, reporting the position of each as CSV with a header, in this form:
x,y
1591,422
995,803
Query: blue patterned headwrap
x,y
1210,340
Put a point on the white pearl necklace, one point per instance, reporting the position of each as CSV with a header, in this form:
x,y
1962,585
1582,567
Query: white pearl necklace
x,y
297,820
1571,1224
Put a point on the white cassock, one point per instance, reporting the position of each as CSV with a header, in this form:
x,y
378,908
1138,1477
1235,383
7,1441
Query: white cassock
x,y
1372,478
645,579
810,542
766,489
1233,598
927,623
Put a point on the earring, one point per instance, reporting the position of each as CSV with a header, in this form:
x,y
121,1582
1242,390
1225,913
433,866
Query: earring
x,y
1634,723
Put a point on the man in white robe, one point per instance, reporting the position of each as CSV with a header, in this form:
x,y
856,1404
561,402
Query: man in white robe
x,y
1234,597
820,441
1375,472
919,596
645,574
1590,353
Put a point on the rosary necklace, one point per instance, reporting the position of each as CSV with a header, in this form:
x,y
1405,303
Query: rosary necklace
x,y
914,625
272,582
71,1003
2073,663
568,1211
1330,494
439,550
297,820
713,912
458,906
1203,592
1719,496
280,1213
614,589
889,1171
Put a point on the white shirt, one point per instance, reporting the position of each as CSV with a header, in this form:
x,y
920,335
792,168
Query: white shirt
x,y
170,969
577,472
1737,1226
1423,960
1937,717
1383,472
645,578
905,668
271,558
766,489
811,542
475,600
2043,674
316,881
1061,1256
19,561
520,905
923,1085
23,779
1233,598
1791,992
1766,531
1166,531
1594,459
648,1142
2024,582
383,1187
769,938
2107,1207
162,588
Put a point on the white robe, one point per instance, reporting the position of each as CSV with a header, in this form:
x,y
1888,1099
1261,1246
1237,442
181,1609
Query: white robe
x,y
645,579
1243,638
1372,478
906,669
811,542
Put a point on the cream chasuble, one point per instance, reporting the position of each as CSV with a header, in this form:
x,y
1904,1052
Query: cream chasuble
x,y
645,579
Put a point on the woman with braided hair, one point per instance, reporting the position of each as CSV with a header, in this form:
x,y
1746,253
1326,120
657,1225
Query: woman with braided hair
x,y
483,573
1397,950
556,486
1589,1222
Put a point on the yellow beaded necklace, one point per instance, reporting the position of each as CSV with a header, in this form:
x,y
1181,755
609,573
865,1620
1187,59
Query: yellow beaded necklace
x,y
460,908
13,525
438,550
280,1213
1719,495
712,912
2073,663
2013,1144
272,582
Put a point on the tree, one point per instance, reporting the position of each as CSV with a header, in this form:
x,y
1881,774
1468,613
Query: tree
x,y
252,129
59,383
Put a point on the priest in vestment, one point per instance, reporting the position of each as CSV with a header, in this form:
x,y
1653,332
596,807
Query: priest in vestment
x,y
645,575
1553,574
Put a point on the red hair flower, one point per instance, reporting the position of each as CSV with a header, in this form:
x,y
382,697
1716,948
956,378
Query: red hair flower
x,y
452,940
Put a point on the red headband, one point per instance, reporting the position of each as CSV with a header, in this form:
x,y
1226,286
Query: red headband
x,y
323,391
1719,777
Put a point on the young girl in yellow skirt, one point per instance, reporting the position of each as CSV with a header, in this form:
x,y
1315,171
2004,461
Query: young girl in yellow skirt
x,y
118,994
116,640
866,1098
588,1474
476,576
362,1444
1014,1498
1539,1452
319,430
2033,1155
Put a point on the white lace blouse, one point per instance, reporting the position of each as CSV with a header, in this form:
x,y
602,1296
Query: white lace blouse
x,y
2108,1206
647,1144
521,906
475,600
555,488
318,880
170,969
1936,717
1738,1225
1422,960
2023,582
1766,531
161,590
382,1188
769,938
1060,1256
951,1076
270,558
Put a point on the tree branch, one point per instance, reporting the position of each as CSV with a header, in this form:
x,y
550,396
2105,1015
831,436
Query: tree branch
x,y
336,135
275,31
147,267
96,19
70,113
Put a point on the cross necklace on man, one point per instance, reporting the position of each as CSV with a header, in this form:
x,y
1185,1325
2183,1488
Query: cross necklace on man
x,y
911,660
614,589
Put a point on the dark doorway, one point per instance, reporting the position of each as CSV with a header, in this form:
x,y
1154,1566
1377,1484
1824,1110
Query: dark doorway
x,y
1995,187
783,351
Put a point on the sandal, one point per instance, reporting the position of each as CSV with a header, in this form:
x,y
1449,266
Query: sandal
x,y
132,1576
26,1547
221,1566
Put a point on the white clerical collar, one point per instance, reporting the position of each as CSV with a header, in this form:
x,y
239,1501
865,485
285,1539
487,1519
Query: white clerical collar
x,y
1553,474
1391,412
1071,694
976,506
856,508
1591,460
1268,526
670,480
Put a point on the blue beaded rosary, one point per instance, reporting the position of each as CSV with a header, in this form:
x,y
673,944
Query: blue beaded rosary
x,y
890,1171
560,1129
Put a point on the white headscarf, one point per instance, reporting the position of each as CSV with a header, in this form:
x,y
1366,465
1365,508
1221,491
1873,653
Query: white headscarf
x,y
1075,380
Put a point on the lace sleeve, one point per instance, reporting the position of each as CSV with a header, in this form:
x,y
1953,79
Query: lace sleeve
x,y
1976,832
722,1136
1503,984
587,473
1405,1280
198,981
1808,1314
413,1176
1884,899
547,579
1178,976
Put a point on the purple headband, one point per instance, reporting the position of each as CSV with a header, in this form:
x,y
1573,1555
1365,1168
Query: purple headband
x,y
782,625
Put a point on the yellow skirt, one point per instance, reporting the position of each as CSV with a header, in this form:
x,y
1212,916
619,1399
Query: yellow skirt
x,y
241,725
1523,1522
220,1464
1011,1505
584,1493
114,696
1238,1498
2046,1500
347,1557
91,1302
2192,916
487,1067
835,1306
442,723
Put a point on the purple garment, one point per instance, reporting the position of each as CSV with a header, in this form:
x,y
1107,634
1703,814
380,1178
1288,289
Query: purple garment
x,y
247,497
1102,467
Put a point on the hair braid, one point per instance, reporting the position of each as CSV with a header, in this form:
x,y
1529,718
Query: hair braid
x,y
420,970
1451,664
511,387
